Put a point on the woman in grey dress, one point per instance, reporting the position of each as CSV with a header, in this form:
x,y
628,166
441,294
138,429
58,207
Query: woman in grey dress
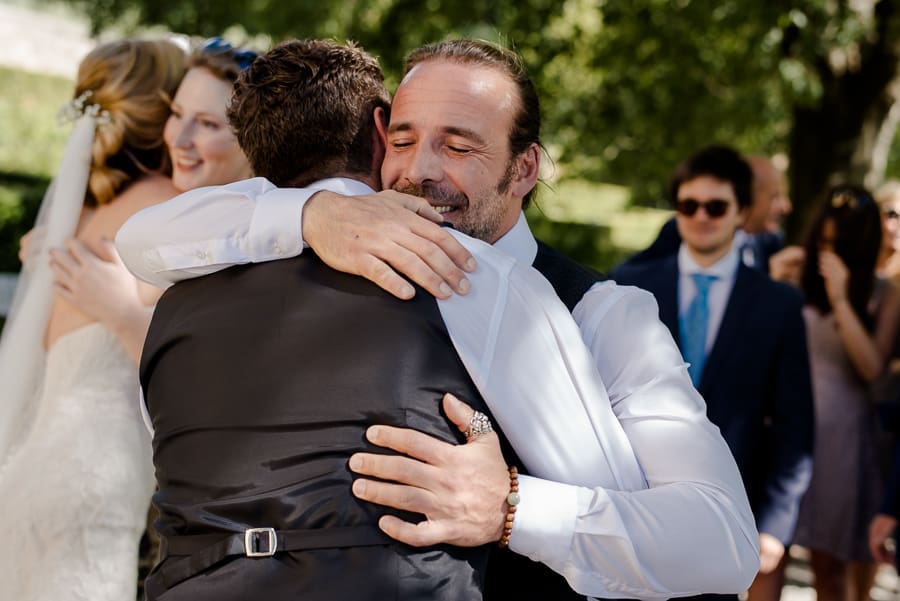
x,y
851,320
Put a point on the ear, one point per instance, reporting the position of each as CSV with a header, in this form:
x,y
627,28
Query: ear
x,y
381,124
528,166
742,215
378,143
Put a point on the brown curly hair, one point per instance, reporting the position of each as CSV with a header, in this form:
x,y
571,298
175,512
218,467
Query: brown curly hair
x,y
131,80
304,111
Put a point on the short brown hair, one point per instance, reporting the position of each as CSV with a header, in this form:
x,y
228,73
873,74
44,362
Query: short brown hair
x,y
304,111
526,127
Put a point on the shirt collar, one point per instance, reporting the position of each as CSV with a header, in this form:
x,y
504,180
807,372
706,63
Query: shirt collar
x,y
724,268
519,242
342,185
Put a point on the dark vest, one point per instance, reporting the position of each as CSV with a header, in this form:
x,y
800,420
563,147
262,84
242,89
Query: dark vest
x,y
260,381
510,575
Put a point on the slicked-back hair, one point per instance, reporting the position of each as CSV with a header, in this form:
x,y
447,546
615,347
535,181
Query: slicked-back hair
x,y
304,111
526,127
857,241
722,163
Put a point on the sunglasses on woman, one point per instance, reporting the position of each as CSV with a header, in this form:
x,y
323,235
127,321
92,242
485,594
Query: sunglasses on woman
x,y
715,208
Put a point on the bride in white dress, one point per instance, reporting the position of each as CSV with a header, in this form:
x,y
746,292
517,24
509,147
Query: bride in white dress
x,y
76,474
74,489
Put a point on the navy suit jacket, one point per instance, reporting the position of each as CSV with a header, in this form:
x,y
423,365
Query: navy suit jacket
x,y
756,384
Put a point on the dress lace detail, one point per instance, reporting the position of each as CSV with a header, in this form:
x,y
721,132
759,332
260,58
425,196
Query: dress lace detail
x,y
74,495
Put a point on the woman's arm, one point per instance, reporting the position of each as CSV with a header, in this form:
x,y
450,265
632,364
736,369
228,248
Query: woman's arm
x,y
867,352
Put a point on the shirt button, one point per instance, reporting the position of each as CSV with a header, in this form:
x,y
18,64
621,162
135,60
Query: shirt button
x,y
201,254
276,249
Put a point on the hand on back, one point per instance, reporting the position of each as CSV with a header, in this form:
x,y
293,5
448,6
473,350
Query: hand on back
x,y
381,236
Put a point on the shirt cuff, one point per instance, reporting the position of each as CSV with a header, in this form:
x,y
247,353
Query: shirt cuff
x,y
545,519
276,230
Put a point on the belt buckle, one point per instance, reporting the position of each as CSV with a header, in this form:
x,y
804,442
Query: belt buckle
x,y
254,536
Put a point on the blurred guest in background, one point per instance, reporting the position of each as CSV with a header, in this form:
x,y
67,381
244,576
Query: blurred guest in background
x,y
851,320
743,336
760,235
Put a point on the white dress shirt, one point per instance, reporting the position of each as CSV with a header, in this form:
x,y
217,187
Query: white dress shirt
x,y
725,270
674,522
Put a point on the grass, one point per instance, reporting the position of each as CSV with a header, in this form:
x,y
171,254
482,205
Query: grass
x,y
31,142
593,222
31,145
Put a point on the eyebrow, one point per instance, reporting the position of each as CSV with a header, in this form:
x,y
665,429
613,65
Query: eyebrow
x,y
450,129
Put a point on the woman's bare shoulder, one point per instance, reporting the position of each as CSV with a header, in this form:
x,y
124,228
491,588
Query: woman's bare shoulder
x,y
145,192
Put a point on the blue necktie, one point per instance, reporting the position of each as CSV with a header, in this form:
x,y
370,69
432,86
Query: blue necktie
x,y
693,325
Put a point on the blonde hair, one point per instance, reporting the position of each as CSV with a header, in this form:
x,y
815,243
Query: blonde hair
x,y
888,192
131,80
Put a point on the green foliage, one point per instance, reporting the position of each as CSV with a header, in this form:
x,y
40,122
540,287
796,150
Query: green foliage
x,y
630,87
30,140
20,198
31,145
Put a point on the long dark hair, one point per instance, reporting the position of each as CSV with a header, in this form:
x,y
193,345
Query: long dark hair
x,y
857,241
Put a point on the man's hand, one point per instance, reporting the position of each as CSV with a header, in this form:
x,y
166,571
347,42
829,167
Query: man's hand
x,y
770,553
881,531
375,235
461,489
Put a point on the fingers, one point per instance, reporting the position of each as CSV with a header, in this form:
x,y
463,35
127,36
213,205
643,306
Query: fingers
x,y
459,413
24,243
398,496
402,470
446,259
409,442
107,251
378,272
61,261
417,205
423,534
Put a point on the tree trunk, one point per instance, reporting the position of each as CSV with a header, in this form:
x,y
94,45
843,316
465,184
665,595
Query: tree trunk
x,y
835,141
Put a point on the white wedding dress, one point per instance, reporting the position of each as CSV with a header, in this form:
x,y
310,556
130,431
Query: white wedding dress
x,y
74,494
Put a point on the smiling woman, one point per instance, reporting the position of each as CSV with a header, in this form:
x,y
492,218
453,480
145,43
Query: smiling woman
x,y
202,145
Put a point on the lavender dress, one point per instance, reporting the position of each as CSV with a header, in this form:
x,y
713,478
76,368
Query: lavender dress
x,y
846,487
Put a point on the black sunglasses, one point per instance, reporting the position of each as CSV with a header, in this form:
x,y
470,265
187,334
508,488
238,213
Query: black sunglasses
x,y
715,208
243,57
850,199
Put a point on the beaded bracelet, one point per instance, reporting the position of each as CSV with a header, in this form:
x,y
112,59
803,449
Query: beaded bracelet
x,y
512,499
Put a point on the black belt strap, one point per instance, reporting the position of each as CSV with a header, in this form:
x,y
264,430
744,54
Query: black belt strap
x,y
203,551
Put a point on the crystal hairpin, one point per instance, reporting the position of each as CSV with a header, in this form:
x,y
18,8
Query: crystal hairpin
x,y
78,107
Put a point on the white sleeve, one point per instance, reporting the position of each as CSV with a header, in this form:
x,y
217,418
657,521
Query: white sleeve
x,y
611,527
209,229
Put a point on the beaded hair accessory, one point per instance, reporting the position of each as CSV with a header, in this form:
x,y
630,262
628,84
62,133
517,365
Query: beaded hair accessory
x,y
77,108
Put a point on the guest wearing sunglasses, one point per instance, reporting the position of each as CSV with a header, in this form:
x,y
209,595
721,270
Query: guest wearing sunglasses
x,y
760,235
742,336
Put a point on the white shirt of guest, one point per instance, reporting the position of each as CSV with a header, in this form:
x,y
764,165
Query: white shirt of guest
x,y
688,530
725,270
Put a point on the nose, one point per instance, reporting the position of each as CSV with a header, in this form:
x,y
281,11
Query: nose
x,y
184,136
785,204
423,165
